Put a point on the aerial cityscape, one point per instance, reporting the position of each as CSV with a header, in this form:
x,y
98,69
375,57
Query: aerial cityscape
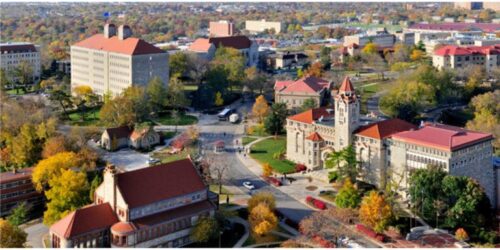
x,y
250,124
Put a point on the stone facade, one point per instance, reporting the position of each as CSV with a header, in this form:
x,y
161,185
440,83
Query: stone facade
x,y
262,25
14,54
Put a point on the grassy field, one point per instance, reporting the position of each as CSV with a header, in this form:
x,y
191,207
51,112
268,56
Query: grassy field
x,y
366,93
246,140
91,118
263,152
166,119
165,157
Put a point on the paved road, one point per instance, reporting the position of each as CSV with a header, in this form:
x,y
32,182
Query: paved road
x,y
35,234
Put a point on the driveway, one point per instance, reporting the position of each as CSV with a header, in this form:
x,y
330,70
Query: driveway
x,y
35,234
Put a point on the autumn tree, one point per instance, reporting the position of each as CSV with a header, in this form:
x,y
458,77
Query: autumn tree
x,y
67,192
267,170
55,145
51,168
157,94
348,196
461,234
24,74
262,219
63,99
178,63
175,93
375,212
219,101
266,198
260,108
118,112
417,55
205,228
487,116
316,69
370,48
11,236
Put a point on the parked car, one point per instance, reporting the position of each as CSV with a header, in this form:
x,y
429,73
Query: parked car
x,y
248,185
274,181
153,161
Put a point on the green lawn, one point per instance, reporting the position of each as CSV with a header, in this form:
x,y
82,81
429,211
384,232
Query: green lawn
x,y
247,140
263,152
91,118
165,157
166,119
190,87
366,93
14,92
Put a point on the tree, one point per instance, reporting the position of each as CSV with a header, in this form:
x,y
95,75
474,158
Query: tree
x,y
316,70
219,101
178,63
375,212
425,187
206,228
11,236
55,145
275,121
232,62
4,81
24,74
266,198
487,116
475,79
267,170
217,167
157,94
370,48
48,83
461,234
262,219
62,98
260,108
139,99
51,168
19,214
308,103
26,149
175,93
417,55
67,192
348,196
118,112
345,161
94,185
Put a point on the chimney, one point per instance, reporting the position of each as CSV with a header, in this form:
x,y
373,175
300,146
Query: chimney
x,y
124,32
110,183
109,30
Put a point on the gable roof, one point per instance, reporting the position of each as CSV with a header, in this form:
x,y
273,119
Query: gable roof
x,y
148,185
443,137
200,45
129,46
468,50
314,137
237,42
384,129
346,85
311,115
119,132
307,84
140,132
17,48
86,219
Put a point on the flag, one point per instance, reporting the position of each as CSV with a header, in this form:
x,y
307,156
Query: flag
x,y
106,15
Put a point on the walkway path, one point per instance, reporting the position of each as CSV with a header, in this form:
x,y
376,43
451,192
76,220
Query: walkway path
x,y
243,238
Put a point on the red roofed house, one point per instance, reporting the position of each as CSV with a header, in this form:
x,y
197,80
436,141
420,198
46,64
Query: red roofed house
x,y
205,47
294,93
139,138
459,151
111,62
150,207
457,57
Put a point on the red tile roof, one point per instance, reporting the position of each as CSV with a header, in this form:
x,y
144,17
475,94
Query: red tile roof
x,y
453,50
162,182
307,84
176,213
119,132
311,115
314,137
18,175
129,46
442,137
200,45
84,220
17,48
384,129
485,27
123,227
346,85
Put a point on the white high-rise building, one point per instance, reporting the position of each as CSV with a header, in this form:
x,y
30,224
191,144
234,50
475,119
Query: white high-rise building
x,y
111,62
14,54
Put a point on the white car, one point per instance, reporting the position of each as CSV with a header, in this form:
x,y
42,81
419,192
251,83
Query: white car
x,y
248,185
153,161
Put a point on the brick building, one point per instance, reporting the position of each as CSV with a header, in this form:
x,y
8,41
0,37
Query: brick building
x,y
221,28
16,188
456,57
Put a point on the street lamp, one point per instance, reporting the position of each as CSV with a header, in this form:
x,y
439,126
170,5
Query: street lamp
x,y
220,236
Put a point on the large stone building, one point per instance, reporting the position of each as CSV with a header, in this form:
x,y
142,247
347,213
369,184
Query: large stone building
x,y
16,188
15,54
114,61
294,93
455,28
150,207
456,57
221,28
257,26
389,148
381,39
206,47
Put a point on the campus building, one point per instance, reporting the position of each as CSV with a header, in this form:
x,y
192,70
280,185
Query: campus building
x,y
381,39
205,47
16,188
295,93
456,57
15,54
257,26
389,148
221,28
150,207
114,61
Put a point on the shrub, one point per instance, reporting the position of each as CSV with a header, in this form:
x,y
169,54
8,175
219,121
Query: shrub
x,y
319,204
370,233
461,234
333,176
309,199
300,168
487,236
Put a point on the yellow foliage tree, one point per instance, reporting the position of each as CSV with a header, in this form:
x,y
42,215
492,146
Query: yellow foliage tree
x,y
370,48
262,219
68,191
11,236
266,198
316,69
461,234
219,101
82,90
375,212
52,167
260,108
416,55
267,170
